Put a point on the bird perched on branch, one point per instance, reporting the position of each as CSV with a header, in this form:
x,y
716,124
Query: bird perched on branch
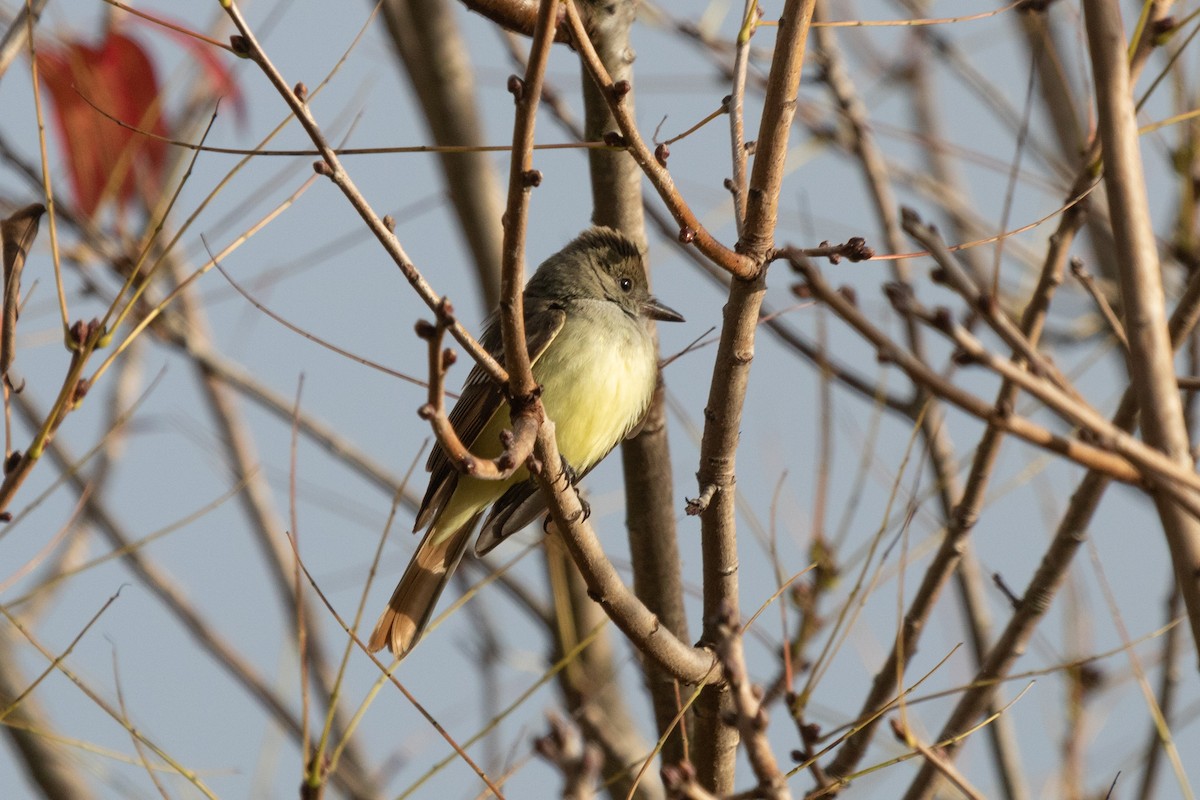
x,y
588,313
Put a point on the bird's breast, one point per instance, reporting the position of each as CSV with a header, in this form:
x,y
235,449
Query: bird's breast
x,y
597,379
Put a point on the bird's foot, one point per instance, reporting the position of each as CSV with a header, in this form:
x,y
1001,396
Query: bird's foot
x,y
573,478
568,471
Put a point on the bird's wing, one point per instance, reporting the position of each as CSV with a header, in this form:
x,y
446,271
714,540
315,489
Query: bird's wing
x,y
481,399
515,509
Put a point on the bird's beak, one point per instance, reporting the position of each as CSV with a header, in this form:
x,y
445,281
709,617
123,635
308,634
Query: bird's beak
x,y
656,310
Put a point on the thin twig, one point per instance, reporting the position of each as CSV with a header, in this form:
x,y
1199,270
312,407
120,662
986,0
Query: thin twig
x,y
716,741
933,758
332,168
735,105
1082,452
1168,475
691,231
522,179
985,304
1088,282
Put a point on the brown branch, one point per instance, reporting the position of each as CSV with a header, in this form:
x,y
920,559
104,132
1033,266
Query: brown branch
x,y
779,108
1086,454
518,442
691,230
735,104
716,741
751,715
246,45
521,180
436,60
692,665
854,249
1170,476
984,304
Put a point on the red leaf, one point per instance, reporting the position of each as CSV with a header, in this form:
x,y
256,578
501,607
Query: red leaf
x,y
106,160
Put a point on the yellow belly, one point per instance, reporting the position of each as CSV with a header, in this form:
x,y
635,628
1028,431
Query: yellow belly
x,y
596,389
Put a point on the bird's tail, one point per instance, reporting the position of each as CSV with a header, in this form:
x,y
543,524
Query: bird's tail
x,y
408,612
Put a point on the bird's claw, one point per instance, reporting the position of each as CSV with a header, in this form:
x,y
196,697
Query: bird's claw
x,y
572,479
568,471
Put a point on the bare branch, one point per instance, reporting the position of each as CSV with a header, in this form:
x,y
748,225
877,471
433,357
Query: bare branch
x,y
518,442
751,716
691,230
693,665
331,167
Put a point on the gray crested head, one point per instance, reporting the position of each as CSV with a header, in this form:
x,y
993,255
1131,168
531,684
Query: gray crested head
x,y
600,264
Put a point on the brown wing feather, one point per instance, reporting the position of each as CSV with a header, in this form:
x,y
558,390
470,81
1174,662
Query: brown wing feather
x,y
480,399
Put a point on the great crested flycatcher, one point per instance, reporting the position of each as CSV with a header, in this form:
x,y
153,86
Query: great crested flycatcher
x,y
587,316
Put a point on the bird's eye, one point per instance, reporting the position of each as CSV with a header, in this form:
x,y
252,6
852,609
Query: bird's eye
x,y
626,284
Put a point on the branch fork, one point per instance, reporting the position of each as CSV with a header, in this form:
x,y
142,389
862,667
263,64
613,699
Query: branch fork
x,y
527,413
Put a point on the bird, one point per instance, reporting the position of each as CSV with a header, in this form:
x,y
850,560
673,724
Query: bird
x,y
588,312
